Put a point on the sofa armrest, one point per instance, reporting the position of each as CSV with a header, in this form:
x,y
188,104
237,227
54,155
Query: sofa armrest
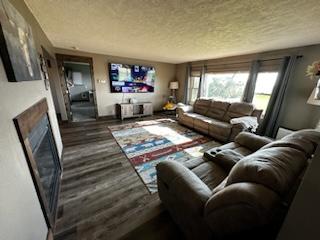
x,y
247,122
183,185
235,130
241,207
257,113
226,158
252,141
183,108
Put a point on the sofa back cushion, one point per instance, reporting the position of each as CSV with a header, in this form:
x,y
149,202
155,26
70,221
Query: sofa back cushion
x,y
218,109
304,140
201,106
277,164
238,109
275,168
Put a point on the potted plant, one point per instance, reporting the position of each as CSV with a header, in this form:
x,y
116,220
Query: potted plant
x,y
313,71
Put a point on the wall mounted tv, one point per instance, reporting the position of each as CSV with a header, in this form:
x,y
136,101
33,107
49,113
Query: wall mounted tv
x,y
127,78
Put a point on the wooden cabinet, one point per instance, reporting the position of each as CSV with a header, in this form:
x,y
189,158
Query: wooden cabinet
x,y
128,110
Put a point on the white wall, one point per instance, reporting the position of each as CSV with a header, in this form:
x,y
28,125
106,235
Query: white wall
x,y
21,216
106,100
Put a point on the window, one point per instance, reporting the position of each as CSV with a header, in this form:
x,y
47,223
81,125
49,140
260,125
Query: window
x,y
263,90
225,86
193,89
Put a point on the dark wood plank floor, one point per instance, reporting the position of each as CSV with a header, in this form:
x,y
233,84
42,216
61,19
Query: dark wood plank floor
x,y
102,197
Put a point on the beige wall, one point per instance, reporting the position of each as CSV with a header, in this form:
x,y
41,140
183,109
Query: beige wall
x,y
296,113
106,100
21,216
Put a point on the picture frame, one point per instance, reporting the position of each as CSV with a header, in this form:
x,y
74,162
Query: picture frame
x,y
17,47
44,70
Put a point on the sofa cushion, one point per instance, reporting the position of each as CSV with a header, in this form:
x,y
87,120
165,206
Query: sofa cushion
x,y
220,187
218,109
188,118
220,130
276,168
193,163
201,123
238,109
210,173
201,106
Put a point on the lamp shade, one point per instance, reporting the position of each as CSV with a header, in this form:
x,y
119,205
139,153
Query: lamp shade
x,y
174,85
312,100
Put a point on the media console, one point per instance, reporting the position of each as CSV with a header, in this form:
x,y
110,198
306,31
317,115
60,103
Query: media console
x,y
129,110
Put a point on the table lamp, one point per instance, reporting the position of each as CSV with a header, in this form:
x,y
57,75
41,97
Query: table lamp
x,y
174,86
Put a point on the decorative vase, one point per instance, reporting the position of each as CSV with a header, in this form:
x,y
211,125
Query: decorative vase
x,y
317,92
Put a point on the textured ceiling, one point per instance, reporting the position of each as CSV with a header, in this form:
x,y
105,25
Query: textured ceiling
x,y
178,31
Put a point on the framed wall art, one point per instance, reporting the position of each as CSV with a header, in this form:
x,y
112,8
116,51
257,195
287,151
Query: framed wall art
x,y
17,48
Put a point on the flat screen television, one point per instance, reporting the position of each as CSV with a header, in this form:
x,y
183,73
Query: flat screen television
x,y
125,78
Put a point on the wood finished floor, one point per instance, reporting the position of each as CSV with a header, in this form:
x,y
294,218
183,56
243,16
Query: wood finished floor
x,y
101,196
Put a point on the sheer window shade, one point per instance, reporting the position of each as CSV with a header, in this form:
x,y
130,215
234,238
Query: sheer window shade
x,y
230,67
196,71
272,65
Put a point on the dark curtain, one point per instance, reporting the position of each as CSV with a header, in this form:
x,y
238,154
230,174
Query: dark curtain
x,y
251,84
270,123
186,84
201,81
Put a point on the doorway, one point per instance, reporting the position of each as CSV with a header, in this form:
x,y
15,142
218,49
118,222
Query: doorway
x,y
77,82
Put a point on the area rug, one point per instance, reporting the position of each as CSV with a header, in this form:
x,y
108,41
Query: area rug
x,y
146,143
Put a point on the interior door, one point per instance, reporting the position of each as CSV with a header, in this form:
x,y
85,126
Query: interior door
x,y
61,58
64,86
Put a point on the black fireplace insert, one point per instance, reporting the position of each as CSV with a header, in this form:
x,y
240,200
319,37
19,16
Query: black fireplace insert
x,y
38,143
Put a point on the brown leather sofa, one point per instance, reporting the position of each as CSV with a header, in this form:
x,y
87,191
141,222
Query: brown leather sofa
x,y
213,117
242,190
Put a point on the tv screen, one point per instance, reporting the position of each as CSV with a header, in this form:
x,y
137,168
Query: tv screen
x,y
127,78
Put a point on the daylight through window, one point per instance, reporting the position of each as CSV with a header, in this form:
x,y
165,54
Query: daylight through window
x,y
225,86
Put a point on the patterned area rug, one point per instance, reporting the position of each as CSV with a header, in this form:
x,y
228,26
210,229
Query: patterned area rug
x,y
146,143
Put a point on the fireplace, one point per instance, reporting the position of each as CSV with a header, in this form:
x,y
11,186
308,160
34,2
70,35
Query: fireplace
x,y
38,143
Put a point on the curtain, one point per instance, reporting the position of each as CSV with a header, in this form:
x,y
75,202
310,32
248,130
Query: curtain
x,y
270,123
186,84
251,84
201,82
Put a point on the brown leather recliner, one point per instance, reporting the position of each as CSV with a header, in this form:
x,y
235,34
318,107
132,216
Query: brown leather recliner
x,y
243,190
